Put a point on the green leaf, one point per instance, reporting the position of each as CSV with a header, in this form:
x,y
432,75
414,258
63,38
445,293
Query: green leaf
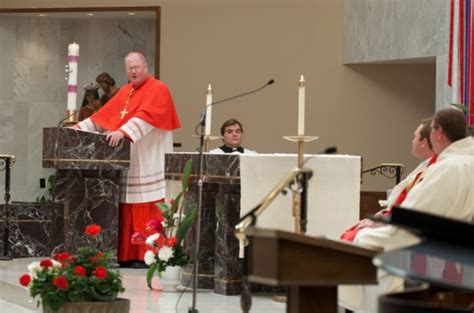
x,y
162,206
186,224
174,206
461,107
149,275
186,174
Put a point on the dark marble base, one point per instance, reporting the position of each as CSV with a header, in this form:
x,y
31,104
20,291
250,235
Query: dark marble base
x,y
219,267
89,197
35,229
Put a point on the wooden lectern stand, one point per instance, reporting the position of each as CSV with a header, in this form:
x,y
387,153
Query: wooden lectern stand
x,y
310,268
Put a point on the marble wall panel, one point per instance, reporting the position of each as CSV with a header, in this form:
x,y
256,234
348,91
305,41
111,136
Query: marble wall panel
x,y
6,80
21,79
7,34
6,124
383,30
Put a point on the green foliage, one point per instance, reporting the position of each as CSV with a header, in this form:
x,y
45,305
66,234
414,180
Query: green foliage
x,y
86,276
175,226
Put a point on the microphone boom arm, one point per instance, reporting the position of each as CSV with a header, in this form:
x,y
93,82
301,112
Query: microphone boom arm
x,y
250,218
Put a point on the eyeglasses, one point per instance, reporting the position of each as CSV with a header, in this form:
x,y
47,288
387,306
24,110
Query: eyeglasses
x,y
133,68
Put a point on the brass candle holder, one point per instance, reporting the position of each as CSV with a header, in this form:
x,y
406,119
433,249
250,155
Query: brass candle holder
x,y
300,140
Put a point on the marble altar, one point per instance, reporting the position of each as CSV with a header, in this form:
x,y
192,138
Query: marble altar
x,y
234,184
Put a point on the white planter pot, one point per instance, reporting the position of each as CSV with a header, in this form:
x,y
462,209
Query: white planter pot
x,y
170,278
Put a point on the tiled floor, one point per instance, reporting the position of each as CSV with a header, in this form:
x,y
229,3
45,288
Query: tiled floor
x,y
142,299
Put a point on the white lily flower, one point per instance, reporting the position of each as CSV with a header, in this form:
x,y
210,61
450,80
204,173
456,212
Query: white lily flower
x,y
151,239
149,258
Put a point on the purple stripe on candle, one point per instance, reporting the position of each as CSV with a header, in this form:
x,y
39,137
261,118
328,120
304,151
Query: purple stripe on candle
x,y
71,88
73,58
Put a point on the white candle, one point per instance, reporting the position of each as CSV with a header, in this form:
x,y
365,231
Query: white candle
x,y
208,111
73,58
301,102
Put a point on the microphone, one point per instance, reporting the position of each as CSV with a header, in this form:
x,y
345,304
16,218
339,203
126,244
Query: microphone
x,y
203,113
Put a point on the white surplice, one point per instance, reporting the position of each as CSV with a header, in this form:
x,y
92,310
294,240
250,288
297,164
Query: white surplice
x,y
446,190
145,180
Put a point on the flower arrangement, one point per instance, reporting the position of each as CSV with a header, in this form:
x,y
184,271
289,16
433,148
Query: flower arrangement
x,y
164,236
74,278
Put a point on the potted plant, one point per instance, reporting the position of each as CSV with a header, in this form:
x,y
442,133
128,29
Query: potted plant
x,y
71,283
165,235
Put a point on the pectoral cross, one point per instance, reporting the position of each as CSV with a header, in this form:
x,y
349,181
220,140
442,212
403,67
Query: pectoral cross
x,y
123,113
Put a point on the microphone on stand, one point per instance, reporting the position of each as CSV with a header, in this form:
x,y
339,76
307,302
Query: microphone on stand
x,y
202,123
203,113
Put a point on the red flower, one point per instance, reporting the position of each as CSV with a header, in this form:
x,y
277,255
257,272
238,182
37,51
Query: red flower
x,y
100,272
93,230
170,241
99,255
154,226
160,242
61,256
61,282
46,263
93,259
25,280
80,271
172,201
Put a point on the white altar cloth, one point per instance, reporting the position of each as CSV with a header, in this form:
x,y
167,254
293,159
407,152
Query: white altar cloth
x,y
333,197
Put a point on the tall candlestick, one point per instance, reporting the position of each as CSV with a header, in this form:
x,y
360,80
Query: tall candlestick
x,y
208,111
73,58
301,103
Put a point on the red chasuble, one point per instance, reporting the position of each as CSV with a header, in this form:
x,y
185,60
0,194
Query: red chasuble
x,y
151,102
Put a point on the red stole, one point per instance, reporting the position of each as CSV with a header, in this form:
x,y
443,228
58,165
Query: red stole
x,y
151,102
350,234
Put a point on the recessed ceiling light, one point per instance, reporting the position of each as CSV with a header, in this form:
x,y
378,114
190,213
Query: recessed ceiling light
x,y
90,14
131,13
42,14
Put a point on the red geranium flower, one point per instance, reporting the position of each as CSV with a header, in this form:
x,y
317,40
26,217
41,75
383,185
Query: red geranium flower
x,y
25,280
99,255
46,263
100,272
61,282
61,257
93,230
170,241
93,259
80,271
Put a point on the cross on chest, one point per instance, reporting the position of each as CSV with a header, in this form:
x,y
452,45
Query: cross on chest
x,y
123,113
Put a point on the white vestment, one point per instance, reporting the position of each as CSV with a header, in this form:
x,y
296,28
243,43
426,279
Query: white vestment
x,y
446,190
145,180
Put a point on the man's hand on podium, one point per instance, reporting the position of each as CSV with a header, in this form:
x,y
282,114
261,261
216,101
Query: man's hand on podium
x,y
113,137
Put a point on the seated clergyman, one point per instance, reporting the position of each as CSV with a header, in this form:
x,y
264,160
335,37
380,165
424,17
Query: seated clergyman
x,y
232,132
